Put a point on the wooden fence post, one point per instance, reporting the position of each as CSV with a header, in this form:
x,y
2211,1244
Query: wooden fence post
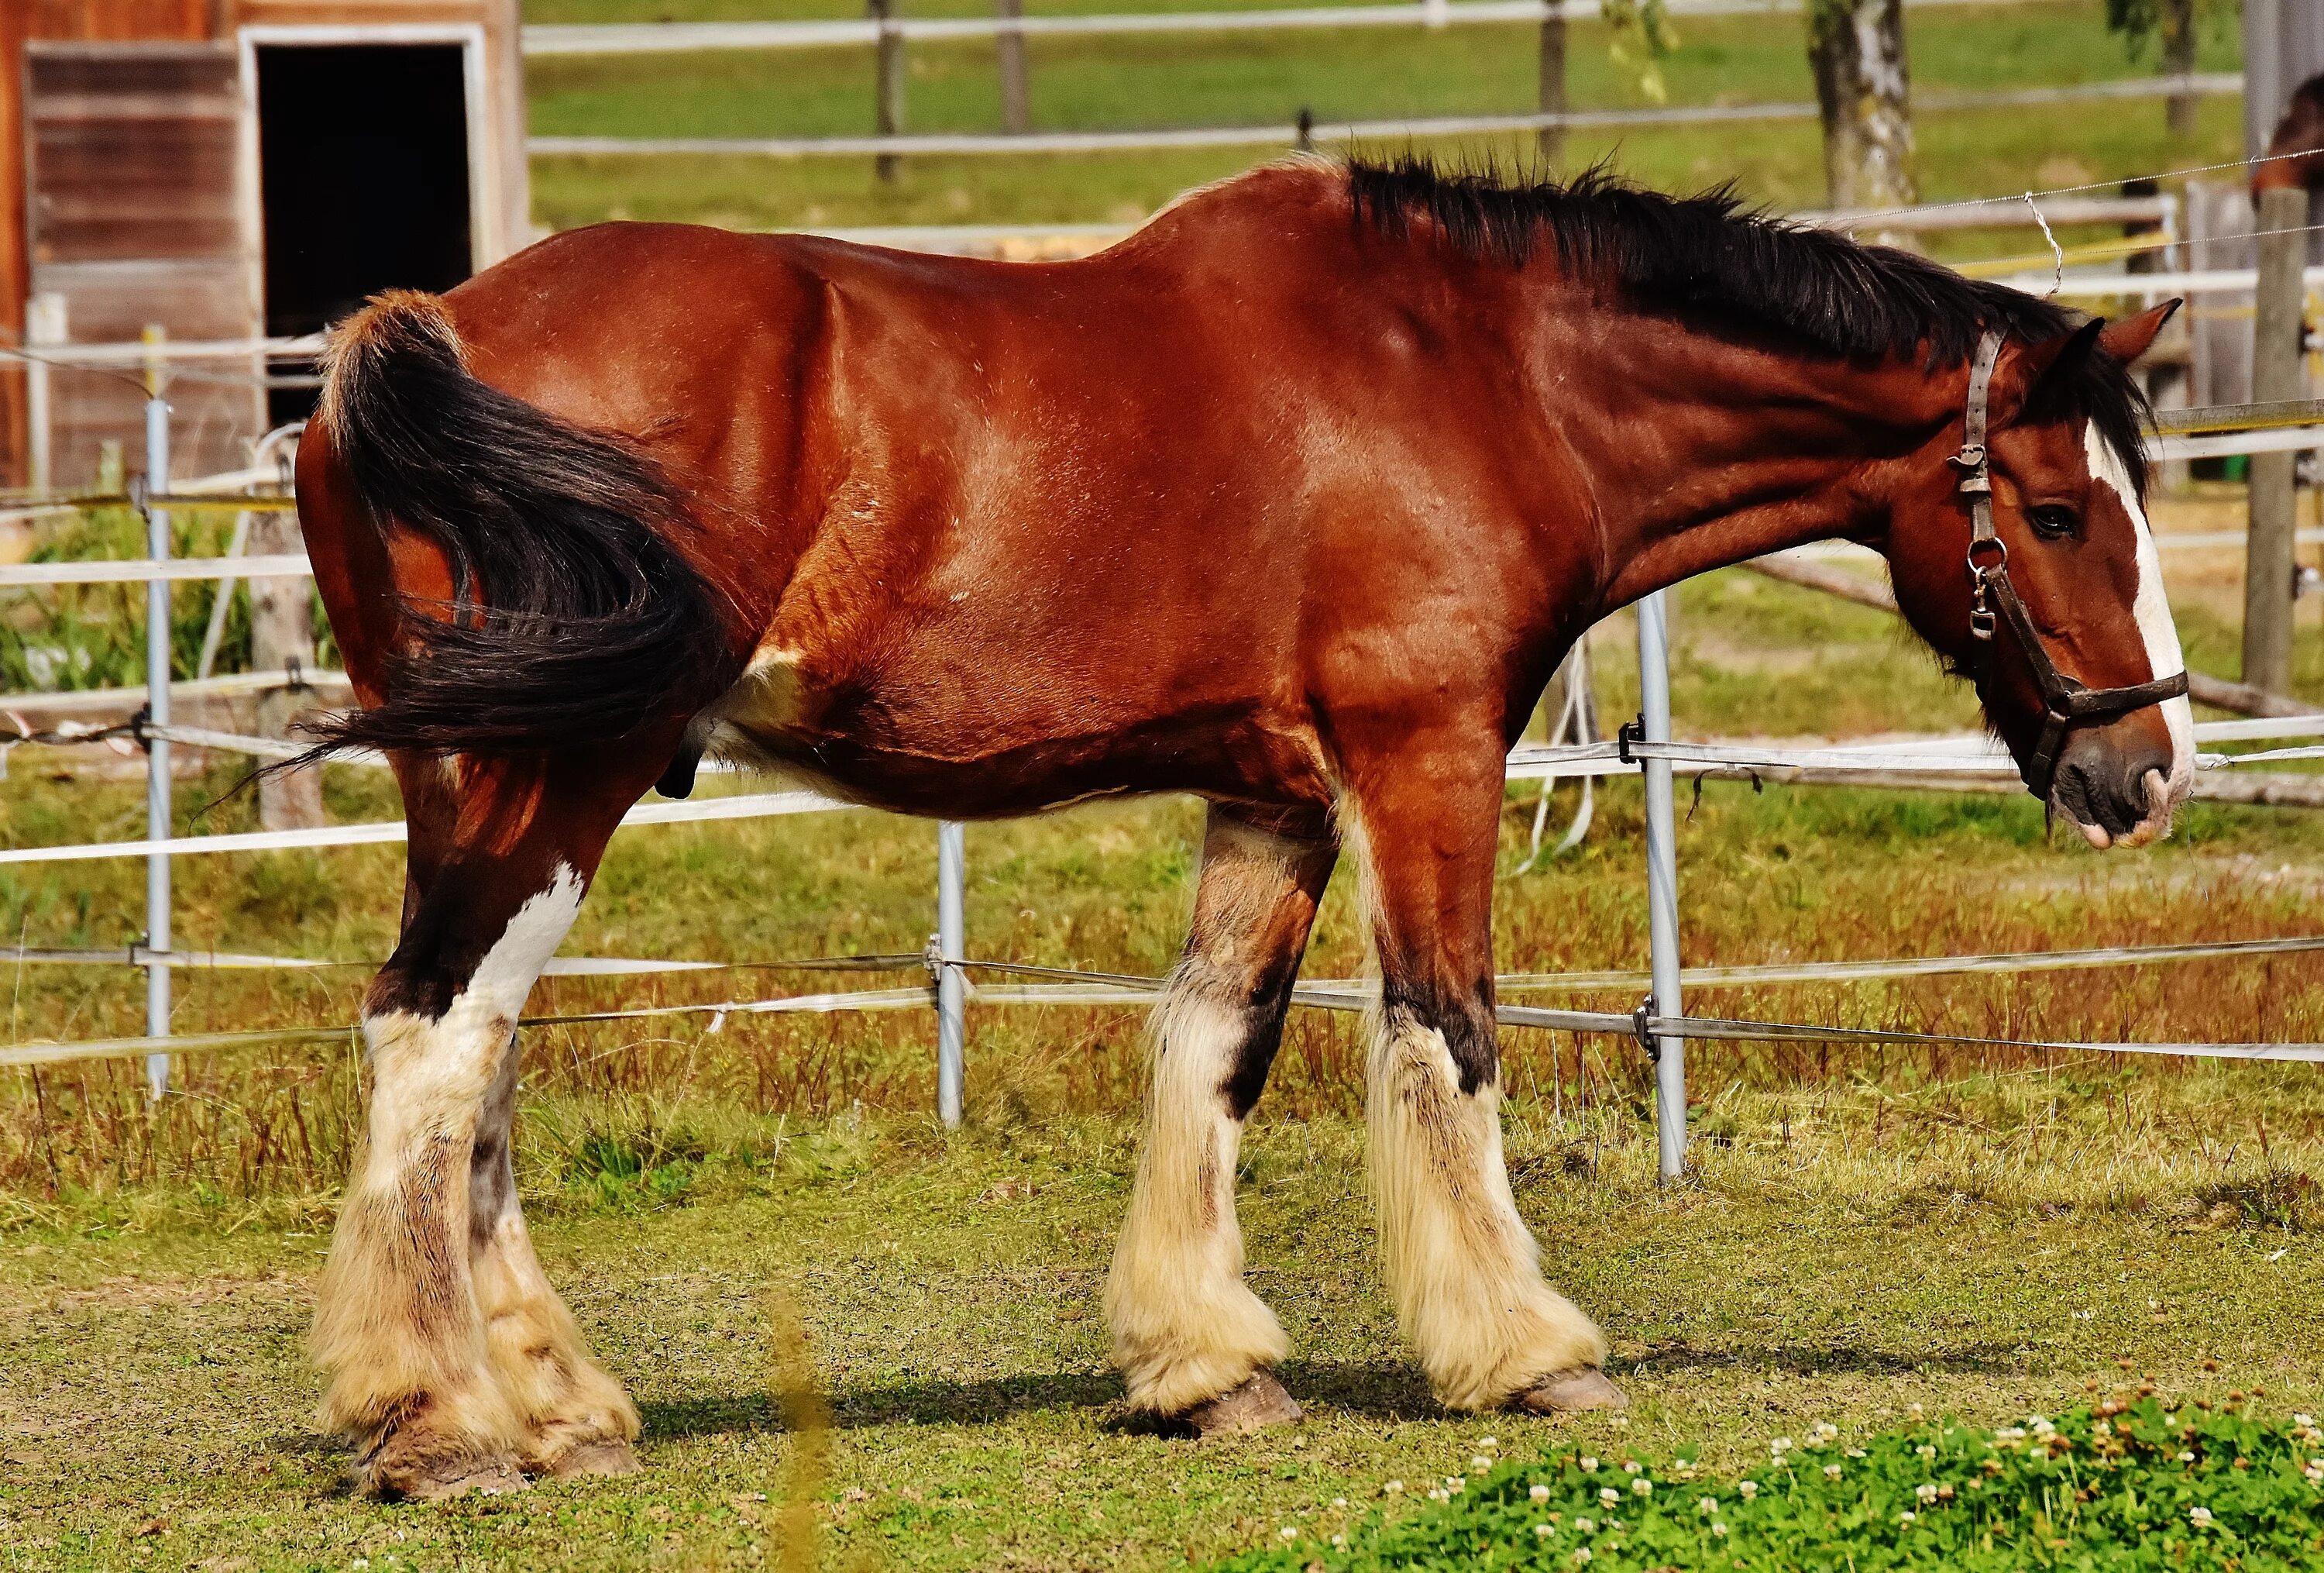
x,y
2277,374
887,109
1016,85
1551,139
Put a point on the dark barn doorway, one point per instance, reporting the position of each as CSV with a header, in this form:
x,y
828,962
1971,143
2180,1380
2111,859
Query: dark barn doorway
x,y
363,182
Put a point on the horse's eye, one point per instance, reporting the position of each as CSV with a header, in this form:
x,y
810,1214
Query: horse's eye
x,y
2051,521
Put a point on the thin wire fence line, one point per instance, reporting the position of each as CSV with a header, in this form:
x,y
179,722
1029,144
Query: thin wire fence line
x,y
1527,761
1644,1025
744,806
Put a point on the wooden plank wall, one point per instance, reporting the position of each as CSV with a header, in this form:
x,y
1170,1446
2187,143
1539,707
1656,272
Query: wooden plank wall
x,y
504,185
134,218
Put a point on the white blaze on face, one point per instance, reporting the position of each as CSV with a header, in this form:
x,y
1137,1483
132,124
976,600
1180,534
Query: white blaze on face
x,y
2152,611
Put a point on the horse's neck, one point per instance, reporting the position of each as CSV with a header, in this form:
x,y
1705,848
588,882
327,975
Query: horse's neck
x,y
1738,453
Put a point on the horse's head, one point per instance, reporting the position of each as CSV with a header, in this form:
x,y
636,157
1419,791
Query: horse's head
x,y
2023,555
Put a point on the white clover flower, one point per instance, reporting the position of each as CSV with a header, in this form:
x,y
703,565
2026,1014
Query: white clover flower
x,y
1479,1463
1438,1493
1287,1533
1831,1471
1340,1541
1538,1492
1747,1489
1588,1526
1927,1491
1913,1410
1629,1466
2303,1419
1825,1430
1581,1555
1455,1482
1391,1488
1642,1486
1489,1441
1907,1516
2313,1471
1339,1502
1609,1495
1589,1466
1925,1451
1856,1452
1544,1531
2186,1457
1707,1504
1780,1444
2200,1515
1720,1530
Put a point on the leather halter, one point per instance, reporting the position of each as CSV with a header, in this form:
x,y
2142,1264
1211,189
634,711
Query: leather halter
x,y
1993,600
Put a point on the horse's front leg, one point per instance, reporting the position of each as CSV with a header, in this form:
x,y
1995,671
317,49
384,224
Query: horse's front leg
x,y
452,1366
1462,1268
1193,1343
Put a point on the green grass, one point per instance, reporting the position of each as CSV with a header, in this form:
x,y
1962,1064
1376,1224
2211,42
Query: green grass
x,y
2127,1483
1981,1233
1984,1249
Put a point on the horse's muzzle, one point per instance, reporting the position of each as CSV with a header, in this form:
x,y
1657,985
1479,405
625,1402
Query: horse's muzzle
x,y
2117,796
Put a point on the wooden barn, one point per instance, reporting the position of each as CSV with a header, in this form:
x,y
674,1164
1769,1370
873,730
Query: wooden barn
x,y
226,171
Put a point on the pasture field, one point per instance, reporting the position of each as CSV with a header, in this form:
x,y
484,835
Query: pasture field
x,y
1982,1235
1263,79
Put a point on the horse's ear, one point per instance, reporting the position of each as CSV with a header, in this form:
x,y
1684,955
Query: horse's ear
x,y
2063,356
2132,337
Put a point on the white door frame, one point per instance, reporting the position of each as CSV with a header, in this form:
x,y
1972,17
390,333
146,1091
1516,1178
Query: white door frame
x,y
485,244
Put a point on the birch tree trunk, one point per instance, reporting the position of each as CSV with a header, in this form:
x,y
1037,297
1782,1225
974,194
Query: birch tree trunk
x,y
1856,49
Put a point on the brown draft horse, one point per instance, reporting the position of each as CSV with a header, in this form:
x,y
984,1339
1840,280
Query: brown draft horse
x,y
1293,501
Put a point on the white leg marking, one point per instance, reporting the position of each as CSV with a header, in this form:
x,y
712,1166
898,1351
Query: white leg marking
x,y
1186,1327
1462,1267
2151,609
397,1314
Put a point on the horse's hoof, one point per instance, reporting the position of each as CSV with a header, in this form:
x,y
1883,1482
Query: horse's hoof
x,y
434,1479
616,1457
1259,1402
1584,1387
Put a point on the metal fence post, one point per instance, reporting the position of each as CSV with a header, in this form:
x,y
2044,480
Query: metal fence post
x,y
952,987
1662,885
157,816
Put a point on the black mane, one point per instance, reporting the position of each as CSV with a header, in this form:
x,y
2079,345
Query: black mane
x,y
1708,254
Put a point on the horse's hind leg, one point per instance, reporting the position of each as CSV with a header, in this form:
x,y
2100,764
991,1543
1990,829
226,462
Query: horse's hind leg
x,y
1191,1340
451,1365
1462,1267
575,1418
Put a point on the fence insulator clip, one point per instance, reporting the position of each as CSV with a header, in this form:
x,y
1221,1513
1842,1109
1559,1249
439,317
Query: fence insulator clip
x,y
140,727
1630,732
1647,1042
933,958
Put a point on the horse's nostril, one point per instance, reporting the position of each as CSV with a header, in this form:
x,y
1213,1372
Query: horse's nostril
x,y
2144,786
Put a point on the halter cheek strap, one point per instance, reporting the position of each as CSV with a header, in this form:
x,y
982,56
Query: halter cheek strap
x,y
1993,599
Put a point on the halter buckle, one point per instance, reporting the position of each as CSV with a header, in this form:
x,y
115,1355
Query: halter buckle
x,y
1981,620
1971,462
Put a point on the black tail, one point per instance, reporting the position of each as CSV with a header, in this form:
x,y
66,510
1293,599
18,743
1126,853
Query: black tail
x,y
576,620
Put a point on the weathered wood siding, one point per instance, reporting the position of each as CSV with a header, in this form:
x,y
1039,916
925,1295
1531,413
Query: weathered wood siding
x,y
135,217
